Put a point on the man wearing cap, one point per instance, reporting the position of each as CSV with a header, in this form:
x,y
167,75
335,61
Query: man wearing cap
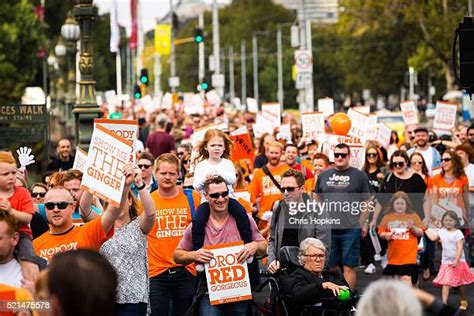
x,y
430,154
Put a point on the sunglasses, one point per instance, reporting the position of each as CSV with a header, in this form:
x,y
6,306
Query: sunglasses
x,y
289,189
219,194
417,162
180,154
185,161
399,164
38,194
446,159
144,166
372,155
340,155
61,205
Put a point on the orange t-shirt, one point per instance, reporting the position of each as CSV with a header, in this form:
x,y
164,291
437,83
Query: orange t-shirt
x,y
403,246
90,235
262,186
173,215
451,191
310,184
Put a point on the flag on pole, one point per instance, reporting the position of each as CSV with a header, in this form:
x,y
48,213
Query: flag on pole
x,y
114,28
134,36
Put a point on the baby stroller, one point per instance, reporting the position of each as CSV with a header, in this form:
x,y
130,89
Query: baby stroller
x,y
270,298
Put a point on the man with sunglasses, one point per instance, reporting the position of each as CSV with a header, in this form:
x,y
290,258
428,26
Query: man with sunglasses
x,y
170,282
345,185
288,227
221,228
63,235
430,154
145,163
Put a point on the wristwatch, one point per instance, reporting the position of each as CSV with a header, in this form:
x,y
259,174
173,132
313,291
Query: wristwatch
x,y
142,187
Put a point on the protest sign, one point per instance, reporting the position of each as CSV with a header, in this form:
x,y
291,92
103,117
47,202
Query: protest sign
x,y
213,98
273,112
364,109
243,148
445,117
148,104
384,133
127,129
80,160
264,123
326,106
227,280
167,101
372,129
313,124
409,112
356,144
252,105
107,156
359,123
284,132
236,102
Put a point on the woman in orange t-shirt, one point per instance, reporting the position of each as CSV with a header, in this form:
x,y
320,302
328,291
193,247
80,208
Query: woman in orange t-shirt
x,y
449,189
401,226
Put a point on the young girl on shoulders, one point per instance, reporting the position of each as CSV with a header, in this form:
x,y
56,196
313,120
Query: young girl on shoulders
x,y
213,159
454,270
401,226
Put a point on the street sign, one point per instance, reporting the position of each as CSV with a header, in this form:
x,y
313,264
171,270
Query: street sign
x,y
303,61
173,82
303,80
218,80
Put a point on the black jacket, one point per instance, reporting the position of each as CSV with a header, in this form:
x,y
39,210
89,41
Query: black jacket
x,y
57,164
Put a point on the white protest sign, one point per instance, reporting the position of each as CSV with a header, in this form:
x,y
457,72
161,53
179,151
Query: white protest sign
x,y
356,145
244,195
127,129
80,160
326,106
240,131
372,129
198,134
167,101
445,117
409,112
149,104
252,105
259,130
227,279
236,102
364,109
273,112
359,123
213,98
313,124
384,133
284,132
265,124
107,156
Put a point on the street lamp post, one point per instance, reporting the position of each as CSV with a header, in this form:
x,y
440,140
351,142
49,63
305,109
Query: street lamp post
x,y
70,31
60,51
86,108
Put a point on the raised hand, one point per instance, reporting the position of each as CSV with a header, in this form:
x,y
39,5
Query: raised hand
x,y
25,157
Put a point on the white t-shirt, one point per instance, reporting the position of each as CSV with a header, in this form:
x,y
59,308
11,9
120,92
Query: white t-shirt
x,y
469,170
428,156
10,273
225,168
449,241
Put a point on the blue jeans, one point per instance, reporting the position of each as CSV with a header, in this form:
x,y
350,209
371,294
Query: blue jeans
x,y
345,247
230,309
138,309
178,286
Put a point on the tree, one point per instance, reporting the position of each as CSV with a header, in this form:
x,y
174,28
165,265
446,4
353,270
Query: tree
x,y
20,39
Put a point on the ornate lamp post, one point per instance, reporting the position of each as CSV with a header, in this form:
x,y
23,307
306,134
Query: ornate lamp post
x,y
86,108
53,67
70,31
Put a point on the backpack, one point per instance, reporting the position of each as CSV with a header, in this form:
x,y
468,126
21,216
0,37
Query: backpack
x,y
267,298
189,196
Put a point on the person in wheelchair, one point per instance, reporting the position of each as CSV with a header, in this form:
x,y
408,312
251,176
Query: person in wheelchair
x,y
309,286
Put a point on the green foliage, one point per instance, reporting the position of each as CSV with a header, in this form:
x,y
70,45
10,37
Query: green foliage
x,y
20,38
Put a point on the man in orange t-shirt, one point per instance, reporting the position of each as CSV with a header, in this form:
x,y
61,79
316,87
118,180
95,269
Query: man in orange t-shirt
x,y
63,235
170,281
262,186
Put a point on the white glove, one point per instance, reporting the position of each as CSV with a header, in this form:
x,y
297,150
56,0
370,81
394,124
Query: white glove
x,y
24,157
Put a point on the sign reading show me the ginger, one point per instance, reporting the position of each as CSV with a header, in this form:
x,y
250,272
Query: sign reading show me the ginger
x,y
227,279
108,154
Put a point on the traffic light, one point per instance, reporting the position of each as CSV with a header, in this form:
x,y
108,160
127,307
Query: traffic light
x,y
198,35
137,92
204,85
144,76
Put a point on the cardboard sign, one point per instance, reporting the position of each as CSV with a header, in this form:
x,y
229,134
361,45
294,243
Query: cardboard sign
x,y
264,123
252,105
107,156
356,144
284,132
127,129
372,129
213,98
313,125
227,280
167,101
80,160
445,117
364,109
326,106
409,112
243,147
384,133
273,112
359,123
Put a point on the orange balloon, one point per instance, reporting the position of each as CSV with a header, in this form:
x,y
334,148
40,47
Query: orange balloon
x,y
340,123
